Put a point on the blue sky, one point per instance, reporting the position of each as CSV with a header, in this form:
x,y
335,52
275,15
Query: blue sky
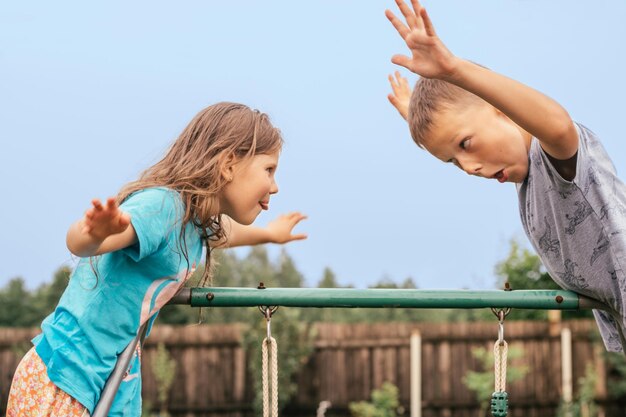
x,y
92,94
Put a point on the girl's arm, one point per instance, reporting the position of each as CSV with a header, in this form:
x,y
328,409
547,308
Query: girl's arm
x,y
104,228
277,231
534,112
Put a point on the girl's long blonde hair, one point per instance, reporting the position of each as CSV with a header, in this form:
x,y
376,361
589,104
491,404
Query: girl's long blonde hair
x,y
193,165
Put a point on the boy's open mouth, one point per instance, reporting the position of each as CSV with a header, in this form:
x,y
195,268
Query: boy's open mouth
x,y
264,204
501,175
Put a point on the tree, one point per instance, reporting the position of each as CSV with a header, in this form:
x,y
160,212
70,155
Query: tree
x,y
385,403
523,270
16,308
329,279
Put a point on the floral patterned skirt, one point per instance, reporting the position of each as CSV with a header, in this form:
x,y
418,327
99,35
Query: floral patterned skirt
x,y
33,395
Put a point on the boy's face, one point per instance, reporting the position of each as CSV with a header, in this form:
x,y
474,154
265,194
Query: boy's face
x,y
481,141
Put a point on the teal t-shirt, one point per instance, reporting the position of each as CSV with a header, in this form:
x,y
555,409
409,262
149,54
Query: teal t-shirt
x,y
108,297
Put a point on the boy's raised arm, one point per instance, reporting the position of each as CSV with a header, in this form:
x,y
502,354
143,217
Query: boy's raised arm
x,y
401,94
533,111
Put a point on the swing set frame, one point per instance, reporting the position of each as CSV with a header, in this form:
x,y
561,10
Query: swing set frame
x,y
355,298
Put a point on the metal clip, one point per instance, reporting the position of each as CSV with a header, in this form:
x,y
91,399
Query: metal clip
x,y
267,312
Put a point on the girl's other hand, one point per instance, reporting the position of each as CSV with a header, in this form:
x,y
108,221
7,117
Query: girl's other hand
x,y
401,96
280,229
102,221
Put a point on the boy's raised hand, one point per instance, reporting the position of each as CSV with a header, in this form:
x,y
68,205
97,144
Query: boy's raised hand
x,y
401,96
430,57
102,221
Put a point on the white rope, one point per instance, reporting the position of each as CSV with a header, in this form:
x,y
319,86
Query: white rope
x,y
500,351
270,377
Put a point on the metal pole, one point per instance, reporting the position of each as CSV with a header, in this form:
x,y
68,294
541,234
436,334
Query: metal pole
x,y
381,298
115,379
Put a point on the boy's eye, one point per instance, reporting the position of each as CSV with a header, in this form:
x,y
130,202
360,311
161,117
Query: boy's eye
x,y
454,162
465,143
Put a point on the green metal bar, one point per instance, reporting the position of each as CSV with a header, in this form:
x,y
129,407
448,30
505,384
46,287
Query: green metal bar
x,y
380,298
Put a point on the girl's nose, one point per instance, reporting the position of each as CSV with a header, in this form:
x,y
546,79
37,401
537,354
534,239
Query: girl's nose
x,y
274,187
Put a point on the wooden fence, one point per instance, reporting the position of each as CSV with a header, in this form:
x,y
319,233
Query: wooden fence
x,y
350,360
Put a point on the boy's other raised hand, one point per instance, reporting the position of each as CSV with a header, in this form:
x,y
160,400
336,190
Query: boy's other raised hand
x,y
401,95
102,221
430,57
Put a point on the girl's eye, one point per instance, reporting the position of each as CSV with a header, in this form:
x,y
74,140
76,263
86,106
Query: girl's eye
x,y
465,143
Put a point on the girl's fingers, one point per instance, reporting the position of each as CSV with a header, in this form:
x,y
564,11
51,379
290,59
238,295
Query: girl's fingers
x,y
111,203
300,236
96,204
124,220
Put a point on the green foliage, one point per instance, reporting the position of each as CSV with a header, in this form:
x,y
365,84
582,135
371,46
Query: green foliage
x,y
483,382
20,307
164,370
617,376
385,403
523,270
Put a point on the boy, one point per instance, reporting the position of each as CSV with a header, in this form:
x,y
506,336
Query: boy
x,y
572,205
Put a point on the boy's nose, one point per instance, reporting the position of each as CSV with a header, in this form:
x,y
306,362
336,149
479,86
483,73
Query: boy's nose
x,y
469,166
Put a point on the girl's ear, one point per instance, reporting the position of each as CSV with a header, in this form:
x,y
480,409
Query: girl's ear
x,y
228,168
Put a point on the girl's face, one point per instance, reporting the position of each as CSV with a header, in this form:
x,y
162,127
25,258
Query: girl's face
x,y
251,182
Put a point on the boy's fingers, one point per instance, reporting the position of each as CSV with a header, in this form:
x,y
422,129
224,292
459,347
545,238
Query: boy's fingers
x,y
397,23
402,60
428,24
412,20
96,204
300,236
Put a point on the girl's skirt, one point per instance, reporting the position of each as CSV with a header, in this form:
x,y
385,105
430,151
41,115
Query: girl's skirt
x,y
33,395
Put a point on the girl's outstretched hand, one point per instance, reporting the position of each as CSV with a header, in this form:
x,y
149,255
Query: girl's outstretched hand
x,y
280,229
102,221
430,57
401,96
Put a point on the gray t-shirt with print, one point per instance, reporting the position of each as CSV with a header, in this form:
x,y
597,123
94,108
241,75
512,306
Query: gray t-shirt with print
x,y
578,227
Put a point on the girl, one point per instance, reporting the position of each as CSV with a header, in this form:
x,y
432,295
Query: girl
x,y
137,251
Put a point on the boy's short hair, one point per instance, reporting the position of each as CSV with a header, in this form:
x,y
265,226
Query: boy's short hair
x,y
429,97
